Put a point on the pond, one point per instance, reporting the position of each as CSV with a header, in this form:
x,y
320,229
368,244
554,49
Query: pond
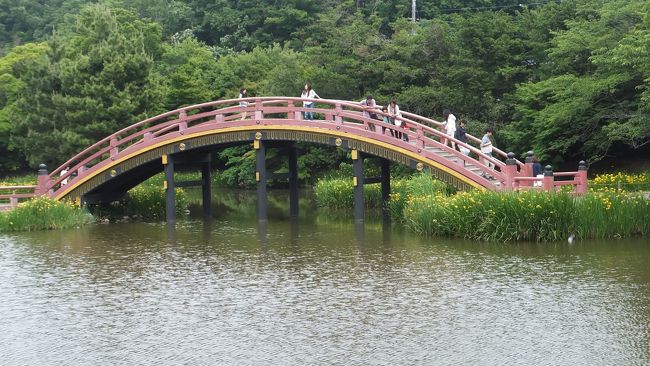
x,y
316,290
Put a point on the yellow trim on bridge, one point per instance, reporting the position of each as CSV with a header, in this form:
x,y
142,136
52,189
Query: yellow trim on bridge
x,y
75,183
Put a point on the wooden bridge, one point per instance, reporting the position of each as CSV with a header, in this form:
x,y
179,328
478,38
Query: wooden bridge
x,y
186,137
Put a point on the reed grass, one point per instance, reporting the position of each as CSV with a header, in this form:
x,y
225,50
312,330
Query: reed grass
x,y
429,207
44,214
612,215
528,216
620,182
338,193
145,202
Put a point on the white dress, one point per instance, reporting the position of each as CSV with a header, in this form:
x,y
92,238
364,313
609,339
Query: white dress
x,y
450,125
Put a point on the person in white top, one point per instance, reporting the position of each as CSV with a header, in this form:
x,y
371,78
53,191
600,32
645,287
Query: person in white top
x,y
450,125
63,172
395,115
486,148
369,111
243,93
308,92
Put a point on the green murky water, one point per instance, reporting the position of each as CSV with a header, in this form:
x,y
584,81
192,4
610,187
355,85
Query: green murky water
x,y
317,290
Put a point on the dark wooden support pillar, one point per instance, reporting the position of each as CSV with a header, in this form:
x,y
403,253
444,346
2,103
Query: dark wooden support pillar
x,y
293,181
385,187
260,176
170,185
357,181
206,184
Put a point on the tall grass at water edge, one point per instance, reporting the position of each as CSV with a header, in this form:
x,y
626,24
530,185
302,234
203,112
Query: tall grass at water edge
x,y
620,182
429,207
338,193
146,202
528,216
44,214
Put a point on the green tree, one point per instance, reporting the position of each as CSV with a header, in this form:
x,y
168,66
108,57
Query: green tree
x,y
189,70
595,104
95,79
10,85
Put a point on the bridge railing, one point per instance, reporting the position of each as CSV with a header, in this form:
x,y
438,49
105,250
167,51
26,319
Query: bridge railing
x,y
10,196
555,181
423,132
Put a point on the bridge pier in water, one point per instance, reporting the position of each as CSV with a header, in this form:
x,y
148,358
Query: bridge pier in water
x,y
359,180
262,175
171,162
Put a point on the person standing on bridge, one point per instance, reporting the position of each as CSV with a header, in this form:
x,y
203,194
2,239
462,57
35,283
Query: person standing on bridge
x,y
538,171
369,110
395,115
308,92
450,125
243,93
387,120
486,148
461,135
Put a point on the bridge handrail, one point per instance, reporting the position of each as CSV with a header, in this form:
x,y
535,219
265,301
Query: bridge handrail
x,y
13,197
108,147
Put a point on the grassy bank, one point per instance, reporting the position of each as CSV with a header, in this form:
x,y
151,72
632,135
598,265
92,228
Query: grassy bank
x,y
44,214
428,207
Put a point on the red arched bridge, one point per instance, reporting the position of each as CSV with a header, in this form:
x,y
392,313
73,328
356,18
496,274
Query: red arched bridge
x,y
105,171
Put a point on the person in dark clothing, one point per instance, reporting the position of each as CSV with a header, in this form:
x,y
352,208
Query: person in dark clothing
x,y
538,172
537,167
461,135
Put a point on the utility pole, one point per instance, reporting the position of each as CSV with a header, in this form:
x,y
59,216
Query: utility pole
x,y
413,10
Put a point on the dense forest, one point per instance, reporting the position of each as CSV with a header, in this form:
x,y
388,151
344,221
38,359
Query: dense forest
x,y
566,78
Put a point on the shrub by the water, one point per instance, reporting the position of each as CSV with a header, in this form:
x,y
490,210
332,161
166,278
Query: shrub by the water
x,y
144,201
528,216
338,193
621,182
44,214
427,206
490,216
612,215
149,202
420,185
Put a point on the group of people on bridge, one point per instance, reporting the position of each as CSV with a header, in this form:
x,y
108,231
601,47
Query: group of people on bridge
x,y
390,114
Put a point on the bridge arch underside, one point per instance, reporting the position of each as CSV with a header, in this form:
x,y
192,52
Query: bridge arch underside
x,y
111,181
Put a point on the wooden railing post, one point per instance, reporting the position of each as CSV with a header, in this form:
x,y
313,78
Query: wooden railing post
x,y
258,110
337,117
581,188
182,121
114,149
419,136
292,114
547,182
43,181
510,171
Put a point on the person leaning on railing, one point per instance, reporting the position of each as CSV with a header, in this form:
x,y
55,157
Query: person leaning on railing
x,y
309,93
486,148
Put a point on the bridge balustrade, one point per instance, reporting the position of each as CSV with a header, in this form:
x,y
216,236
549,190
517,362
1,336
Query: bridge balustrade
x,y
426,137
